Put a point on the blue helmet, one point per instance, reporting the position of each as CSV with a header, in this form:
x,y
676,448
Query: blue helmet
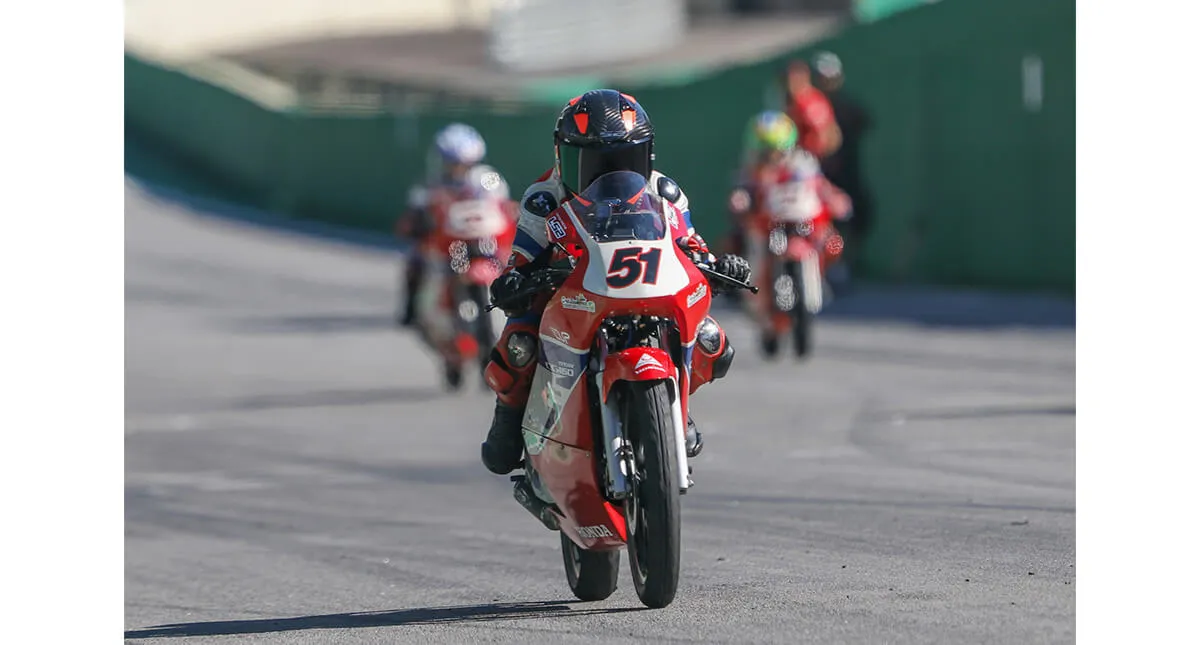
x,y
460,143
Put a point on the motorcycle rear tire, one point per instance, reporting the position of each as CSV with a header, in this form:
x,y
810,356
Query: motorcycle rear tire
x,y
592,575
652,512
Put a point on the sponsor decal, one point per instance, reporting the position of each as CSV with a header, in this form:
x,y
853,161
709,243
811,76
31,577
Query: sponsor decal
x,y
561,336
557,230
562,368
647,362
578,303
671,218
697,295
594,531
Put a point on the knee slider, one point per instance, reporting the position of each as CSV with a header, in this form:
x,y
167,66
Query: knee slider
x,y
510,366
498,376
520,348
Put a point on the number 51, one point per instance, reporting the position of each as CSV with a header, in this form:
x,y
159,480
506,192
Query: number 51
x,y
629,265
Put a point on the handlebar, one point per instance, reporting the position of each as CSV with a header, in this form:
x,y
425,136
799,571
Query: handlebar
x,y
721,277
552,277
540,280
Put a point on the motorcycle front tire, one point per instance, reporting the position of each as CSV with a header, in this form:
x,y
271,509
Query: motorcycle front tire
x,y
652,512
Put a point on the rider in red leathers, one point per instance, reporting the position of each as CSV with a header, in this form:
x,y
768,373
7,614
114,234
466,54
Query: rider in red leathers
x,y
776,166
456,155
597,132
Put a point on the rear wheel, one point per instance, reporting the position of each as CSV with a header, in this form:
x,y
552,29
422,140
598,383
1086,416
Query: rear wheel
x,y
652,512
592,575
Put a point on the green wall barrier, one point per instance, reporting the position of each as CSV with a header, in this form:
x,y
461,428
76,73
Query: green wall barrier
x,y
973,177
228,137
352,169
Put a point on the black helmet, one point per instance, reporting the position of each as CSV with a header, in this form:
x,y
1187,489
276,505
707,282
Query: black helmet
x,y
601,131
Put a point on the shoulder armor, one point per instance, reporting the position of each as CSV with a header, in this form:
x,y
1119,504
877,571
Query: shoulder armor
x,y
668,189
540,203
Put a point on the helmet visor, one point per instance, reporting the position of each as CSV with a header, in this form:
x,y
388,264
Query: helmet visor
x,y
581,166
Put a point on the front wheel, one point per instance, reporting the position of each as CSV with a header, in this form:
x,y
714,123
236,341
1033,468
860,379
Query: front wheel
x,y
452,375
652,512
592,575
802,321
485,335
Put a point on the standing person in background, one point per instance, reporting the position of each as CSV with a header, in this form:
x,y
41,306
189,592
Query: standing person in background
x,y
843,166
810,110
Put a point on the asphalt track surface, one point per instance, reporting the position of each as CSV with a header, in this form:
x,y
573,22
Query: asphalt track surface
x,y
294,473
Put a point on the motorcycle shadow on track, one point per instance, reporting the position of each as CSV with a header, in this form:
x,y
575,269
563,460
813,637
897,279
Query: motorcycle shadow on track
x,y
417,616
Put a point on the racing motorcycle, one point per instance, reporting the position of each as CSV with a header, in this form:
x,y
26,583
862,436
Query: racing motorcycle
x,y
470,246
796,243
625,339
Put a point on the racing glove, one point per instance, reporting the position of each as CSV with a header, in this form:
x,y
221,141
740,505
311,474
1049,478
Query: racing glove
x,y
504,290
733,266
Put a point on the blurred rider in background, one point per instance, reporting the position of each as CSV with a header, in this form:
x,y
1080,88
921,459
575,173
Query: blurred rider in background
x,y
773,159
598,132
457,150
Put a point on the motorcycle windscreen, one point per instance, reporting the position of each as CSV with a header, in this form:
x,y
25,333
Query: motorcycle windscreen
x,y
619,207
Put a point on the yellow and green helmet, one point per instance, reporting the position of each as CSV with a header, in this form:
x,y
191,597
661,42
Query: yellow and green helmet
x,y
771,130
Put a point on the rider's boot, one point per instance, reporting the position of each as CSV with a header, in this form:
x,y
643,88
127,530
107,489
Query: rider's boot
x,y
502,450
509,374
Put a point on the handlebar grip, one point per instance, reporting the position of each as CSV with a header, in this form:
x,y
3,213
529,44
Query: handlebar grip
x,y
709,272
539,280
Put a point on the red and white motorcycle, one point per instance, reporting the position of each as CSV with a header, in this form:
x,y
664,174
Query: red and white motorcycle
x,y
469,246
792,242
625,340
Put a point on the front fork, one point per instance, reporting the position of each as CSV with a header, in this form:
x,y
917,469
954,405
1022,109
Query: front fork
x,y
781,250
620,467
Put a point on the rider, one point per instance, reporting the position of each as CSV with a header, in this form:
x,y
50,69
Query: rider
x,y
597,132
774,158
457,150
